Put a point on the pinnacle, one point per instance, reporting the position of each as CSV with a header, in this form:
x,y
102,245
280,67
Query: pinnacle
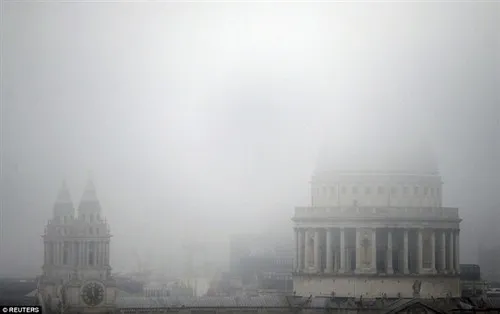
x,y
89,194
63,195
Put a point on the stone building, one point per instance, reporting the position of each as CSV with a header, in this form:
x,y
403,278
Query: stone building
x,y
76,270
376,226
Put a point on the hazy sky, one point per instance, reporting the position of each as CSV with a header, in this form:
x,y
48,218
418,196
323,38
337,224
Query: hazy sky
x,y
207,118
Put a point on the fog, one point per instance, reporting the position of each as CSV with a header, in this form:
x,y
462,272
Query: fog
x,y
200,120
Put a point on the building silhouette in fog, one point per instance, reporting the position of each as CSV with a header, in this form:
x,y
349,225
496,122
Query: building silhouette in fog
x,y
376,225
76,268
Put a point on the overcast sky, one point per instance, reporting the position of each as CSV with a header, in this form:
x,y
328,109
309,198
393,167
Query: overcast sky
x,y
207,118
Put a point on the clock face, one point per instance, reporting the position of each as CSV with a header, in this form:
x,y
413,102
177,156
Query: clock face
x,y
93,293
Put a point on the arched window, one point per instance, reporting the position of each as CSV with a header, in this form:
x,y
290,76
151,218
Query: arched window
x,y
91,218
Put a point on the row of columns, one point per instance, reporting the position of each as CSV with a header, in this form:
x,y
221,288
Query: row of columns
x,y
77,253
337,260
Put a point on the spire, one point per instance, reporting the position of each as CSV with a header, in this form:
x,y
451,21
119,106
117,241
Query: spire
x,y
89,194
63,206
63,196
89,202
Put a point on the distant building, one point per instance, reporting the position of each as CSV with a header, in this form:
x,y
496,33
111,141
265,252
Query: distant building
x,y
470,280
263,263
489,260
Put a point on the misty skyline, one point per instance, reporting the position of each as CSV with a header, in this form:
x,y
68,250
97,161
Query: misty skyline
x,y
207,119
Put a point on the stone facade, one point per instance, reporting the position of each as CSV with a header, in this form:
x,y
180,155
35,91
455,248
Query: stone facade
x,y
377,233
76,254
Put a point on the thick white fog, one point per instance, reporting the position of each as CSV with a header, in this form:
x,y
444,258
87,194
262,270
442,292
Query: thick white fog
x,y
200,120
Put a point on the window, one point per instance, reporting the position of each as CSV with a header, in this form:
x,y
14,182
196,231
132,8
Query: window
x,y
405,190
64,219
394,190
97,217
96,230
367,190
324,190
83,216
91,218
415,190
426,190
344,190
354,190
91,231
380,190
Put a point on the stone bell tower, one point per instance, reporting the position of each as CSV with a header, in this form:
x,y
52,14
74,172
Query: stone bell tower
x,y
76,270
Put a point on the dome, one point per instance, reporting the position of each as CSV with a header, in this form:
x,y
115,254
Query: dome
x,y
388,150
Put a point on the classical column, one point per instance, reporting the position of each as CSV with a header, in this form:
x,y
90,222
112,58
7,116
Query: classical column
x,y
45,253
451,260
420,248
358,250
101,253
296,252
342,250
317,255
307,249
374,250
457,251
389,270
96,251
405,252
82,256
442,250
108,258
106,253
87,250
300,266
433,251
57,251
329,253
61,252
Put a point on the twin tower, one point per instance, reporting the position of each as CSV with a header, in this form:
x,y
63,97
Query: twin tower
x,y
76,250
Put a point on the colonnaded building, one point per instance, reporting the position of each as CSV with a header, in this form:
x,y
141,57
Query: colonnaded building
x,y
376,226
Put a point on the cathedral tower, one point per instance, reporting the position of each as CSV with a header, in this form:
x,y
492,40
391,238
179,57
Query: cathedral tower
x,y
76,270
